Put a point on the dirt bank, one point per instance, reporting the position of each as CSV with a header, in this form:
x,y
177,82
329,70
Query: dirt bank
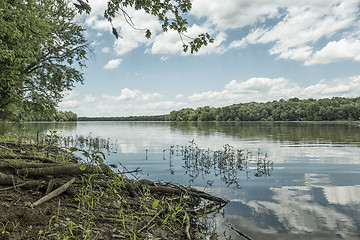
x,y
46,193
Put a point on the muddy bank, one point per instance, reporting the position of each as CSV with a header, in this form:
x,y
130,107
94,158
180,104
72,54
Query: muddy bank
x,y
48,193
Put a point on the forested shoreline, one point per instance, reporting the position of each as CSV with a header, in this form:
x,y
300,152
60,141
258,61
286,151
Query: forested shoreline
x,y
294,109
58,116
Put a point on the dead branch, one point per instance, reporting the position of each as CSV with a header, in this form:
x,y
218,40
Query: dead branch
x,y
243,235
50,186
187,227
54,193
151,220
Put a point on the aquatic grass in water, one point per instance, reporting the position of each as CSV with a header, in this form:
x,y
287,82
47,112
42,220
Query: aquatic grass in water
x,y
226,163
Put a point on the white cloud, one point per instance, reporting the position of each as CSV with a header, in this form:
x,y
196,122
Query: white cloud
x,y
89,98
293,29
112,64
254,89
336,51
69,94
267,89
170,42
105,50
303,24
69,104
167,43
233,14
179,96
132,38
136,102
299,25
132,95
164,58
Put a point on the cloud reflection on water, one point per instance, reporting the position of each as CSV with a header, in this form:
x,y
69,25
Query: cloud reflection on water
x,y
312,211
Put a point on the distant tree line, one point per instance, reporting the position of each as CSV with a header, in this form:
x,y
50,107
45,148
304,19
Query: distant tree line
x,y
293,109
131,118
59,116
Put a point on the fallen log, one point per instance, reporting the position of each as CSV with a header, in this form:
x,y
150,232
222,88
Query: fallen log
x,y
5,164
65,170
6,179
27,157
190,191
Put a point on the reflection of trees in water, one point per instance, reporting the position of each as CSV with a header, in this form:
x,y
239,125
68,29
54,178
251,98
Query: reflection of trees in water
x,y
227,164
309,132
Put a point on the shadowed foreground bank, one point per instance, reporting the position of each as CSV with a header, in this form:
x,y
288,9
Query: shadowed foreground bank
x,y
48,193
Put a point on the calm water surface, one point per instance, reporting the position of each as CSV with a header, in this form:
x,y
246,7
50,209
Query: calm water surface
x,y
311,191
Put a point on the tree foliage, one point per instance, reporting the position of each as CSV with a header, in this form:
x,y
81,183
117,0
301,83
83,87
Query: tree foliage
x,y
41,50
58,116
292,110
169,13
42,47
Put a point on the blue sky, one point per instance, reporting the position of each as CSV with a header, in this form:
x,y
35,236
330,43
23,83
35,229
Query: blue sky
x,y
264,50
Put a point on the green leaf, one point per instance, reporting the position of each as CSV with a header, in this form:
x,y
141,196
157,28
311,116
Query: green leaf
x,y
83,167
148,34
73,149
155,203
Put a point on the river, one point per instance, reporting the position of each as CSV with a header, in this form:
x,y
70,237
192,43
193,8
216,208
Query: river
x,y
298,180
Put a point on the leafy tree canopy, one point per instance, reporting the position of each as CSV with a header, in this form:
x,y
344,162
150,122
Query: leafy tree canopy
x,y
168,12
43,48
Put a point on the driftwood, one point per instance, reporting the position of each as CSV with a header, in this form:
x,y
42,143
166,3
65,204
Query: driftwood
x,y
54,193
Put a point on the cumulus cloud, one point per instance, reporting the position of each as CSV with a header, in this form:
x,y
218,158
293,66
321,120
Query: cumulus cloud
x,y
105,50
294,30
167,43
171,43
179,96
69,94
69,104
112,64
232,14
89,98
336,51
132,95
267,89
301,25
136,102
